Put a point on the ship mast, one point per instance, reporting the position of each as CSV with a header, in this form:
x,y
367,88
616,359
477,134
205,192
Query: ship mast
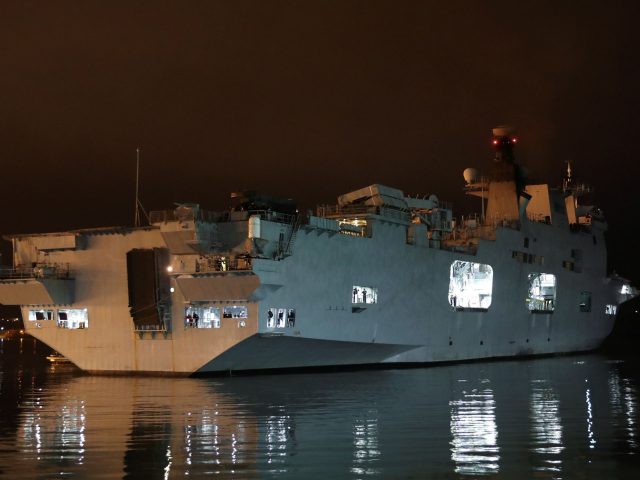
x,y
136,220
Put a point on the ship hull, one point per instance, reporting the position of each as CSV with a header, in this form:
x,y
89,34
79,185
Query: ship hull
x,y
411,322
409,316
268,354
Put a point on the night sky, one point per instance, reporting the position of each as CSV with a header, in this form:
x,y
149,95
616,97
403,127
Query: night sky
x,y
309,99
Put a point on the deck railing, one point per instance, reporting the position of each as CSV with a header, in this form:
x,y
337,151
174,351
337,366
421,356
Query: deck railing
x,y
57,270
163,216
271,216
333,211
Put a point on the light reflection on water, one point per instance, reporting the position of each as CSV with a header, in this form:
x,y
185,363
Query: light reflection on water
x,y
546,426
474,447
547,418
623,398
365,445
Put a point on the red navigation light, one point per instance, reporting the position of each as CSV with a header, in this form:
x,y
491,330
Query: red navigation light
x,y
495,141
514,140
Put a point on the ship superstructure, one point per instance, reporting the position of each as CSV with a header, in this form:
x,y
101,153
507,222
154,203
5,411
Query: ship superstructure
x,y
380,277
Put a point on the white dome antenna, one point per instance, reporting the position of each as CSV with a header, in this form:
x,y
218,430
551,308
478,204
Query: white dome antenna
x,y
470,175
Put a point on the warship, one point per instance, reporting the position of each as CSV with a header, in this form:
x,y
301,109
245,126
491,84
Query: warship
x,y
380,278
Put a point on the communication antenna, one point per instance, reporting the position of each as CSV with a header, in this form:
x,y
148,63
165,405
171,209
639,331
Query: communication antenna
x,y
136,220
567,181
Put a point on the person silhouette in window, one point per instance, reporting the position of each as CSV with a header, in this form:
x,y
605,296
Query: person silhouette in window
x,y
355,295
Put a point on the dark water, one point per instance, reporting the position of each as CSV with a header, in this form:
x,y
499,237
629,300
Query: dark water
x,y
562,417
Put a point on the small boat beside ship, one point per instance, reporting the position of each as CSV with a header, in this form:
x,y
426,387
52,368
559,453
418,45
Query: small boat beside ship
x,y
56,358
381,277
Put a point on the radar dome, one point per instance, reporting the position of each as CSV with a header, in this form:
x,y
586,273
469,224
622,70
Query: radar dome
x,y
470,175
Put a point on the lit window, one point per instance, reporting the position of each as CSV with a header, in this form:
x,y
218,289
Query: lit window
x,y
610,309
470,285
211,317
542,292
37,315
353,226
73,318
364,294
281,318
202,317
235,311
585,301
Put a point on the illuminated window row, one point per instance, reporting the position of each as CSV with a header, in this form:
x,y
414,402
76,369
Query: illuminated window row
x,y
281,318
38,315
471,287
209,316
66,318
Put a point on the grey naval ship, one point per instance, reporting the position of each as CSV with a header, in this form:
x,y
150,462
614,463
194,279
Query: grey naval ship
x,y
379,278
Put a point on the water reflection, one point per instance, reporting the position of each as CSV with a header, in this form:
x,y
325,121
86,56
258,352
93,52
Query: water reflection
x,y
182,427
623,396
590,435
524,419
66,432
365,445
279,431
631,415
474,448
546,426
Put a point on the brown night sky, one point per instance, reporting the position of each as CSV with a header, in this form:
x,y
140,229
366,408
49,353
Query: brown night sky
x,y
308,99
